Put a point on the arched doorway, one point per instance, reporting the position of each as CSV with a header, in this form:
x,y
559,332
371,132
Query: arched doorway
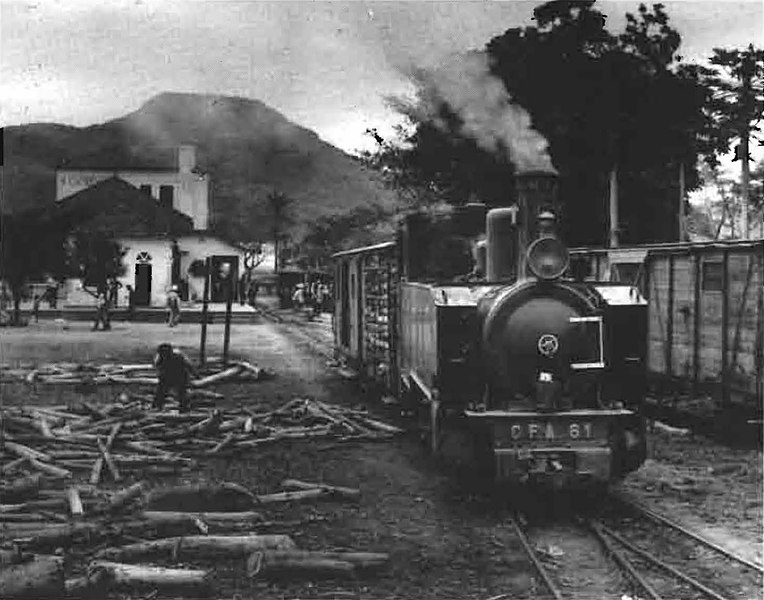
x,y
143,279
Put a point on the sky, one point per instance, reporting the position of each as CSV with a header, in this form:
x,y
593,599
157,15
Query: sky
x,y
328,66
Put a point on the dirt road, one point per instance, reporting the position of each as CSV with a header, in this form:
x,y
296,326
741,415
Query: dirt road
x,y
445,542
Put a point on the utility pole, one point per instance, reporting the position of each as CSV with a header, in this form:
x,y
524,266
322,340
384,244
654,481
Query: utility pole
x,y
745,184
682,220
613,237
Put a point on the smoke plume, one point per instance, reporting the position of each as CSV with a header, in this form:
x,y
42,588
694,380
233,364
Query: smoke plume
x,y
486,110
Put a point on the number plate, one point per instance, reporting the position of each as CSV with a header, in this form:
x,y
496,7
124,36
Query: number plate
x,y
552,430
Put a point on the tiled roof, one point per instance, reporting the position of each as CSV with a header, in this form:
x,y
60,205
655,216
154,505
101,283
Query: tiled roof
x,y
122,209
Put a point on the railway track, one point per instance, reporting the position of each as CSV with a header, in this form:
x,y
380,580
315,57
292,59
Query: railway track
x,y
297,328
647,565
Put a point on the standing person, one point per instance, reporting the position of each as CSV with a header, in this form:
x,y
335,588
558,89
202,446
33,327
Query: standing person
x,y
102,308
51,292
243,289
130,302
113,289
252,293
173,306
318,300
36,307
174,371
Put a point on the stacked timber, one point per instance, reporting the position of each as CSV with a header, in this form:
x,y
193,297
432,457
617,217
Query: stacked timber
x,y
120,374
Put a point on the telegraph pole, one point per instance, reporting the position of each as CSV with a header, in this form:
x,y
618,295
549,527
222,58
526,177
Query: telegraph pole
x,y
613,237
682,221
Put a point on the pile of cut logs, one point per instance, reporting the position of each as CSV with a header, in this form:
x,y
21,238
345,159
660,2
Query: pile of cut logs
x,y
63,535
77,541
102,374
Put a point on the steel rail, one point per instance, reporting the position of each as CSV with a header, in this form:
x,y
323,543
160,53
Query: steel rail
x,y
659,563
536,562
623,562
639,507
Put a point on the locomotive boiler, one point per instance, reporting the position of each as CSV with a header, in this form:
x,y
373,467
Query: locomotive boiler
x,y
515,369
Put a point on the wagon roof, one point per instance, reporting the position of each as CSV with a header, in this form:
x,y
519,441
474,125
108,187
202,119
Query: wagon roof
x,y
364,249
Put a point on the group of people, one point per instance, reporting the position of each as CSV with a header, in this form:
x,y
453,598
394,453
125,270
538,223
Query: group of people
x,y
107,297
314,296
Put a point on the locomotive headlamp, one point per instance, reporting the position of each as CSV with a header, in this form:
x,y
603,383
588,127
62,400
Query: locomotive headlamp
x,y
547,258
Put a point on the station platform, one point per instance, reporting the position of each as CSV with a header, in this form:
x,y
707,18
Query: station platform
x,y
189,313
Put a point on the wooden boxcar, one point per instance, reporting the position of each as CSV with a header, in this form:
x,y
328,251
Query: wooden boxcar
x,y
365,300
706,311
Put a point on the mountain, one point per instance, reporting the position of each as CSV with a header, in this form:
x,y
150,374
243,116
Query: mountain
x,y
248,148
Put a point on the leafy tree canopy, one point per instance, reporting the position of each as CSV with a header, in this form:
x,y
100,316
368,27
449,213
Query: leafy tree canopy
x,y
600,99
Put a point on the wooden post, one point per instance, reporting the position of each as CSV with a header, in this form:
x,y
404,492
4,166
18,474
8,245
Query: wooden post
x,y
613,237
682,221
670,319
760,331
725,326
745,179
227,332
205,308
696,326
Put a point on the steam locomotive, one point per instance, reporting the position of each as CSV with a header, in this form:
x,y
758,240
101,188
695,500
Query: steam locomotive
x,y
515,367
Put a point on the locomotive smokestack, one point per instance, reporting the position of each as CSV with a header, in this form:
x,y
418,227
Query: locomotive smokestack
x,y
536,193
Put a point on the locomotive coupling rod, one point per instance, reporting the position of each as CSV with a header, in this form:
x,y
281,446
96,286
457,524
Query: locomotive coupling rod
x,y
534,559
640,508
623,562
659,563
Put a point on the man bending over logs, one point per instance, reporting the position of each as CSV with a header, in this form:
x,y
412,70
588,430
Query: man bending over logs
x,y
174,371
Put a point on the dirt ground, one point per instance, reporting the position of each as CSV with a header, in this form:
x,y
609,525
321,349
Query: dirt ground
x,y
444,542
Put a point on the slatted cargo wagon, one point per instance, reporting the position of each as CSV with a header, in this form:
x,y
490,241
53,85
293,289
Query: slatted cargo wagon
x,y
706,312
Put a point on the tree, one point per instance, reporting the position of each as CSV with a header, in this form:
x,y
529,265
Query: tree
x,y
279,206
94,257
30,247
602,101
736,108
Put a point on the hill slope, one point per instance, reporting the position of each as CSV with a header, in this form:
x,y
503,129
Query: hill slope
x,y
248,148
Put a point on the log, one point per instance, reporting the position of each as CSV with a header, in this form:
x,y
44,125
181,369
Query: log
x,y
344,492
13,465
662,427
261,564
124,497
379,425
22,450
75,502
158,577
229,373
199,545
360,560
208,517
109,461
225,442
90,586
21,489
52,470
58,535
39,578
24,517
293,496
209,424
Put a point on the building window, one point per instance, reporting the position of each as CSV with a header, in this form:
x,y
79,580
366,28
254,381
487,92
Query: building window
x,y
143,258
712,276
146,189
165,196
